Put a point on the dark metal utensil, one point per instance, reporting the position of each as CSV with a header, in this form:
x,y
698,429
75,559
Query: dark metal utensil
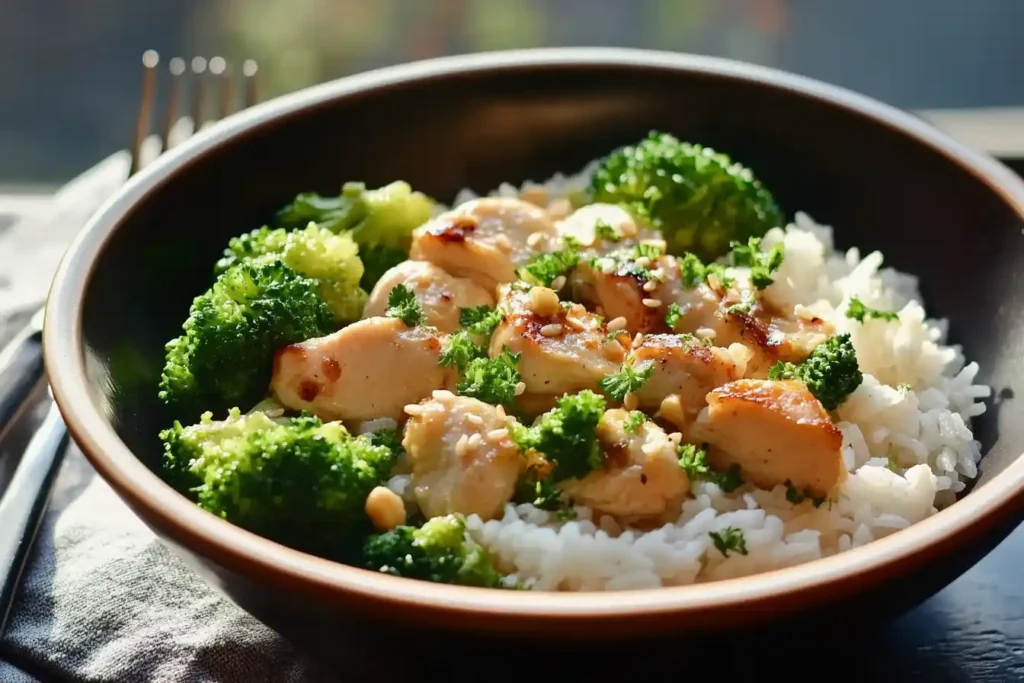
x,y
23,502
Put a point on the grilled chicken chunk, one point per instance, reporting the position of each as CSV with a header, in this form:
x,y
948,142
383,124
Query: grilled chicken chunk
x,y
641,480
684,366
485,240
370,369
585,224
624,284
441,295
777,432
563,351
463,459
771,334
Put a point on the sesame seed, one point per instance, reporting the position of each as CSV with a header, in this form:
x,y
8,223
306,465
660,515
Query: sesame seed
x,y
474,441
651,303
630,401
413,409
558,282
520,388
474,419
461,445
551,330
650,286
497,434
500,410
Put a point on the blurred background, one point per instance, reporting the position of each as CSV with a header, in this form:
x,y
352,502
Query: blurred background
x,y
70,69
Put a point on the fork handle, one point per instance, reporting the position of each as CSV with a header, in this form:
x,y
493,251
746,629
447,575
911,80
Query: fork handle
x,y
21,368
23,504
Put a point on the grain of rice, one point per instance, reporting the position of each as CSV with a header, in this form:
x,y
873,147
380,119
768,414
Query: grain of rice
x,y
643,261
650,286
520,388
497,434
461,445
651,303
474,419
474,441
503,243
413,409
442,395
500,410
630,401
551,330
638,339
558,283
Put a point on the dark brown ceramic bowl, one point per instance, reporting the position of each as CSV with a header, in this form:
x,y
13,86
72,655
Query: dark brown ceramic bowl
x,y
884,179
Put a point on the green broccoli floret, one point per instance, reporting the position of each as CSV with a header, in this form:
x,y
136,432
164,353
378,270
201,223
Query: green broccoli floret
x,y
297,481
225,354
831,372
312,252
567,435
440,551
380,220
699,199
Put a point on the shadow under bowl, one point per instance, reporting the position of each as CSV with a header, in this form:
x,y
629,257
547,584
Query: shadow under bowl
x,y
884,179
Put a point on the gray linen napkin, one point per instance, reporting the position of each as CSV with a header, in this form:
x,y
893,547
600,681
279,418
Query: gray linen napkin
x,y
103,600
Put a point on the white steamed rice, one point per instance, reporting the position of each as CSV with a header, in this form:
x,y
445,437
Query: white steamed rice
x,y
907,445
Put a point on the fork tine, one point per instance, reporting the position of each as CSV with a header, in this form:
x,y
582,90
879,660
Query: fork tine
x,y
249,70
226,101
150,60
198,91
176,67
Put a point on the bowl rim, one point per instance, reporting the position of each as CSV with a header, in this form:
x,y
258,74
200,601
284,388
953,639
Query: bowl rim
x,y
246,553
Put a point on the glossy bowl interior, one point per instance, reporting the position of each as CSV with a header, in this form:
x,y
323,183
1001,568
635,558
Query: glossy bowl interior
x,y
883,179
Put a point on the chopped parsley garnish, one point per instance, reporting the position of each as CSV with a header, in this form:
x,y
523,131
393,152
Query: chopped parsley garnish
x,y
604,231
859,312
565,514
566,436
904,388
402,304
544,269
694,461
742,307
491,380
729,540
693,272
646,250
626,380
540,493
730,480
615,334
479,319
762,264
674,315
796,496
634,421
459,351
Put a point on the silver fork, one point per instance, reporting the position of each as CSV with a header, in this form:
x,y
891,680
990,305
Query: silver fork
x,y
24,500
